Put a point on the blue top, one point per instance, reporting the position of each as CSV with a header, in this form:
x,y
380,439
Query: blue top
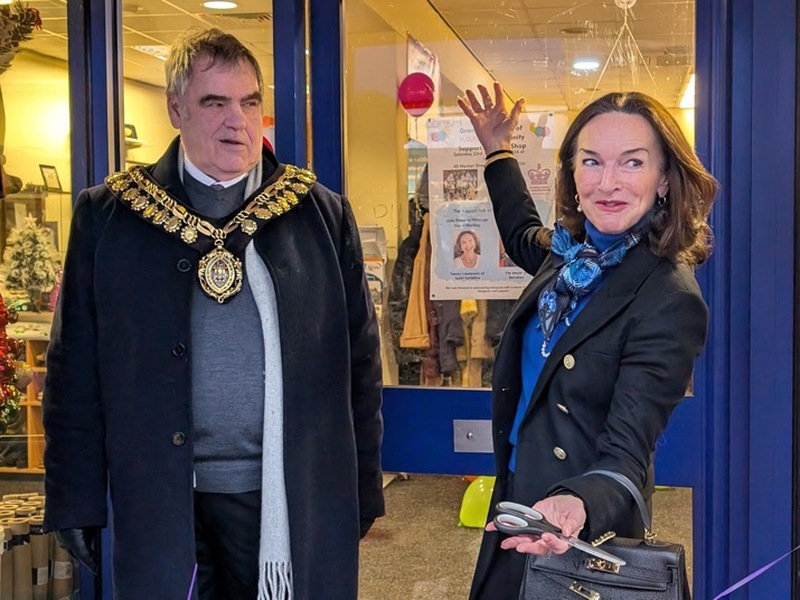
x,y
532,359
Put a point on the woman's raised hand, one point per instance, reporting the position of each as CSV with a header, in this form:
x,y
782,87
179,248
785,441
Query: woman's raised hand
x,y
493,124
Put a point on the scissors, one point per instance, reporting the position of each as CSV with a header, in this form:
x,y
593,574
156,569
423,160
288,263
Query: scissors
x,y
514,519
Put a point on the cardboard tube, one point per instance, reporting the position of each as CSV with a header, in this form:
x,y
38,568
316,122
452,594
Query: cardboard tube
x,y
6,564
21,540
40,559
62,572
24,511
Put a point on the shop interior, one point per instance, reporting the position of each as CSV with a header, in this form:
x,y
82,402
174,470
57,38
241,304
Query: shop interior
x,y
558,55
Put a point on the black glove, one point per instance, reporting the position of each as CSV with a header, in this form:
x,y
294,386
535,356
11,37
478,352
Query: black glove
x,y
365,527
82,544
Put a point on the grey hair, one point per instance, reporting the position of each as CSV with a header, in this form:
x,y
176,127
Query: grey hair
x,y
221,47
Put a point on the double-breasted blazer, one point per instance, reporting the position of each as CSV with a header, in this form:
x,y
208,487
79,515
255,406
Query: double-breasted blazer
x,y
608,387
117,394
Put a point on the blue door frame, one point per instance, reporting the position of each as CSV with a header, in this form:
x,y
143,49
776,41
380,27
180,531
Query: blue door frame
x,y
732,442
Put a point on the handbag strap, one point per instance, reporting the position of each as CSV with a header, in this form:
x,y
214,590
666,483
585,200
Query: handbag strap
x,y
637,495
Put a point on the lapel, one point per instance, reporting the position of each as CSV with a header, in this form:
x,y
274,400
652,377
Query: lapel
x,y
165,172
613,297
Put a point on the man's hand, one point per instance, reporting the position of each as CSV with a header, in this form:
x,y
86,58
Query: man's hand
x,y
82,544
365,526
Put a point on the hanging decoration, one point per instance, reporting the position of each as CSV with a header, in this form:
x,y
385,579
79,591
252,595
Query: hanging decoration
x,y
13,377
625,48
17,23
416,93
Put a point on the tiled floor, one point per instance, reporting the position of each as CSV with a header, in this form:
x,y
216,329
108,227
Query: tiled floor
x,y
419,551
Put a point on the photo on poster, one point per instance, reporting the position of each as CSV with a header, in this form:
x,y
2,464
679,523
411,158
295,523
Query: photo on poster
x,y
466,250
504,260
460,184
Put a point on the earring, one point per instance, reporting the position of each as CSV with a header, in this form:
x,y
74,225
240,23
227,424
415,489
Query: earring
x,y
578,202
662,201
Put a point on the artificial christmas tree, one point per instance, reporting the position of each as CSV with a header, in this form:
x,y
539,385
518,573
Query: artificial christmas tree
x,y
29,260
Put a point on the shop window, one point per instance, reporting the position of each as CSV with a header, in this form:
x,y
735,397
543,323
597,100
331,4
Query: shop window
x,y
35,210
444,289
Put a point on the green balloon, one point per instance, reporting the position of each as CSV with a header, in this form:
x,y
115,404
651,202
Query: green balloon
x,y
476,501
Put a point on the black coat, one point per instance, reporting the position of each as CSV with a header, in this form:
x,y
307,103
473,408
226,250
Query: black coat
x,y
117,405
607,389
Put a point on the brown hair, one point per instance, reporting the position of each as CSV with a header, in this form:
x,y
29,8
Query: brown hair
x,y
457,251
679,230
221,47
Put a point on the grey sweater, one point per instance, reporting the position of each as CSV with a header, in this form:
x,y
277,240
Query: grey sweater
x,y
227,369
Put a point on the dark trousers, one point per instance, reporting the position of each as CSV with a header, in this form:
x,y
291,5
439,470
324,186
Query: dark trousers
x,y
227,532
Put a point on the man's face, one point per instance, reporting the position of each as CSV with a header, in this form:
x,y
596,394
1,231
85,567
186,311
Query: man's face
x,y
219,117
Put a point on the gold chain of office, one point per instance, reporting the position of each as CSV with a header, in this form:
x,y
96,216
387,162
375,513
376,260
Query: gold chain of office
x,y
220,272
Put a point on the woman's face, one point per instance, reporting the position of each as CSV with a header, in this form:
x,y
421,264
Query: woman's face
x,y
467,243
618,170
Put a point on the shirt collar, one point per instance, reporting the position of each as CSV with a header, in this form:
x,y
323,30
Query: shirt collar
x,y
206,179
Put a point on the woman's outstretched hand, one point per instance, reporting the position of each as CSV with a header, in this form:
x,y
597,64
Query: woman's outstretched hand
x,y
493,124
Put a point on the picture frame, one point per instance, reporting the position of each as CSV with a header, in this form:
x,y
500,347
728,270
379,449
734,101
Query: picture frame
x,y
51,181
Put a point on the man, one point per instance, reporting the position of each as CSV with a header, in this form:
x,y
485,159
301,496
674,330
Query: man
x,y
214,362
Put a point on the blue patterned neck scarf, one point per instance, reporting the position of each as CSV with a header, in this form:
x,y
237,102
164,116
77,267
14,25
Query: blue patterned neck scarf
x,y
580,267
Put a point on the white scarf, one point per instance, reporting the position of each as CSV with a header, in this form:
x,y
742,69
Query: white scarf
x,y
274,556
274,552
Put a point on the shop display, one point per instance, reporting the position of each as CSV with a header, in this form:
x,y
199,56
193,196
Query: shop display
x,y
32,564
22,440
11,383
29,260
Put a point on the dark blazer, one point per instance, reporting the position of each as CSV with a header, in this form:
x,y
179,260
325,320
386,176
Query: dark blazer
x,y
607,389
117,405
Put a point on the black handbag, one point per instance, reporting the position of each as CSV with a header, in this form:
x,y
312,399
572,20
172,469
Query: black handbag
x,y
654,570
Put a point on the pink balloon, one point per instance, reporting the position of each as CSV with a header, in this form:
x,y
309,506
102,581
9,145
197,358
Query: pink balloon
x,y
416,93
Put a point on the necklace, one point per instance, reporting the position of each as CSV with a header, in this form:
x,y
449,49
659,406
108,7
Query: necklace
x,y
219,271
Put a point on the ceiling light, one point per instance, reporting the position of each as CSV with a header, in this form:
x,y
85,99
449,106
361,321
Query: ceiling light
x,y
586,64
687,99
220,4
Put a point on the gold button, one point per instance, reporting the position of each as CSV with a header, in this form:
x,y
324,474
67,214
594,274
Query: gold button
x,y
560,454
563,409
569,361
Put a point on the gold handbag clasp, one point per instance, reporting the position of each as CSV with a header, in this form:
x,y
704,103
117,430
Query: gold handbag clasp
x,y
583,592
603,538
598,564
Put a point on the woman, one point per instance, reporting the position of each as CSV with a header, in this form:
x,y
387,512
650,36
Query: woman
x,y
600,346
466,251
